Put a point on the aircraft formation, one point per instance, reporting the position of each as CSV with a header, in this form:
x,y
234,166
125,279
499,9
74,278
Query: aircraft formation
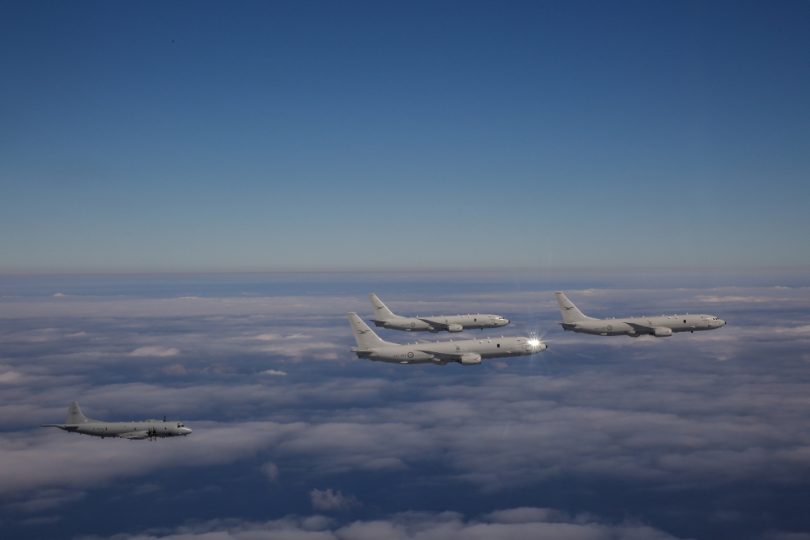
x,y
463,351
470,352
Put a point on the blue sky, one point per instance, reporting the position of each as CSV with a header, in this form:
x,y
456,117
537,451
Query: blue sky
x,y
206,136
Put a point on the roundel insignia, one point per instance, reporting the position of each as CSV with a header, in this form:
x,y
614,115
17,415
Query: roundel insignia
x,y
410,355
610,328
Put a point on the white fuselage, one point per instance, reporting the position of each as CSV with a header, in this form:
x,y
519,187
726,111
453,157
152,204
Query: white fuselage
x,y
449,323
660,326
133,430
468,351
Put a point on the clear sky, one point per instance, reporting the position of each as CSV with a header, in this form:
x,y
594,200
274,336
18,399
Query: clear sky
x,y
207,136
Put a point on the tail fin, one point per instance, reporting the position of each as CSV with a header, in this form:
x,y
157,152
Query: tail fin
x,y
381,311
570,312
365,336
75,414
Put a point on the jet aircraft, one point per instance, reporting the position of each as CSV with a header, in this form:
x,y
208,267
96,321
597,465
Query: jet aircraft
x,y
466,352
77,422
386,318
659,326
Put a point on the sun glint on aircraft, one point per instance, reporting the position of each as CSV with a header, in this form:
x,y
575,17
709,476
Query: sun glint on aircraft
x,y
466,352
659,326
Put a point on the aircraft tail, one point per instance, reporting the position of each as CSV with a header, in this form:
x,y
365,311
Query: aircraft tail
x,y
365,336
570,313
75,414
381,311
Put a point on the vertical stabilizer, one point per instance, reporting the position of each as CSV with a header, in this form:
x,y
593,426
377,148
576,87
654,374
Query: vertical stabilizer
x,y
75,414
381,311
365,336
570,312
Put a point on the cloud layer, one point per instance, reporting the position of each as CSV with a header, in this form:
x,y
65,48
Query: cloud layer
x,y
275,398
511,524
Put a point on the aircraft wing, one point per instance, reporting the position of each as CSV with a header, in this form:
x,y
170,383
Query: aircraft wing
x,y
657,331
442,355
135,435
439,325
463,357
641,328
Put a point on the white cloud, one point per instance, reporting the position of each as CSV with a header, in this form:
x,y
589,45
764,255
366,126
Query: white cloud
x,y
332,500
310,350
270,336
175,369
794,330
270,471
10,377
537,523
719,299
654,412
155,350
273,373
36,460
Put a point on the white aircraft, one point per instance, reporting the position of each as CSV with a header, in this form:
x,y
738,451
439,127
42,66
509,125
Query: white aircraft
x,y
466,352
386,318
77,422
659,326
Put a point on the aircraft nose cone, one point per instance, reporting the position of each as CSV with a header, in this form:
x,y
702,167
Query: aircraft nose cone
x,y
185,430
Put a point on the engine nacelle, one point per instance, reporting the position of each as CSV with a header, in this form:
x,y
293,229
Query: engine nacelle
x,y
454,328
660,331
470,359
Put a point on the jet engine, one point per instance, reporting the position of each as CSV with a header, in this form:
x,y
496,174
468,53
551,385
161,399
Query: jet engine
x,y
454,328
470,359
660,331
